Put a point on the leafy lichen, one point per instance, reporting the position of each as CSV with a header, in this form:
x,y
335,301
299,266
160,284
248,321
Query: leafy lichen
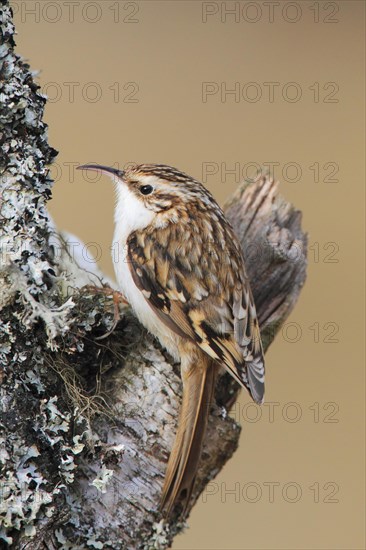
x,y
41,433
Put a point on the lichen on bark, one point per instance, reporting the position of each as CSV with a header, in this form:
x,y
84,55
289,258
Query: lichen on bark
x,y
38,443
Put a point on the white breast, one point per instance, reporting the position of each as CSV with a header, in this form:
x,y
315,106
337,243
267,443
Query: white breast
x,y
131,215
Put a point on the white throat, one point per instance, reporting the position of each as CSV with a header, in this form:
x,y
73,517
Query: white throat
x,y
130,214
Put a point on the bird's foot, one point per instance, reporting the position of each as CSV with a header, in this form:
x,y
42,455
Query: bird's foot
x,y
118,299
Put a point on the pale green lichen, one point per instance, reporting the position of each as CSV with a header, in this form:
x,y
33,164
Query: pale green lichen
x,y
102,479
160,537
53,425
22,489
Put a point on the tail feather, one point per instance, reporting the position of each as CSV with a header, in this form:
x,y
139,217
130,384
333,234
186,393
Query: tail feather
x,y
255,374
198,387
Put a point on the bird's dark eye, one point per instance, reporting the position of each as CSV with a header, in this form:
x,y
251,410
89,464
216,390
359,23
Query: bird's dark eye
x,y
146,189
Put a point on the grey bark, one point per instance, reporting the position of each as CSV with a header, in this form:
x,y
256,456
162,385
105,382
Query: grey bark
x,y
87,425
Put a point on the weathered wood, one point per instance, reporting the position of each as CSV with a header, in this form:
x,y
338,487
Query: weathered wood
x,y
87,425
274,245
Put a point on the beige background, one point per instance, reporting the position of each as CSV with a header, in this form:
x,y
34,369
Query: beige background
x,y
167,53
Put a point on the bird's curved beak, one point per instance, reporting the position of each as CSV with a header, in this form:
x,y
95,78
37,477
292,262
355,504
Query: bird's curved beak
x,y
105,169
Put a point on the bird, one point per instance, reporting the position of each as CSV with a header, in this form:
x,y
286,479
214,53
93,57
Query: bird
x,y
180,266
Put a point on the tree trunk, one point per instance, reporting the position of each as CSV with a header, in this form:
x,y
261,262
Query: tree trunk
x,y
87,424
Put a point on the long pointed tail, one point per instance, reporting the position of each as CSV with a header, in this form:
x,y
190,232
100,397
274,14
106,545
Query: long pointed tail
x,y
198,388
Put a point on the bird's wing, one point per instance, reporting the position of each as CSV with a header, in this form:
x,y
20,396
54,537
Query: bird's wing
x,y
203,297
